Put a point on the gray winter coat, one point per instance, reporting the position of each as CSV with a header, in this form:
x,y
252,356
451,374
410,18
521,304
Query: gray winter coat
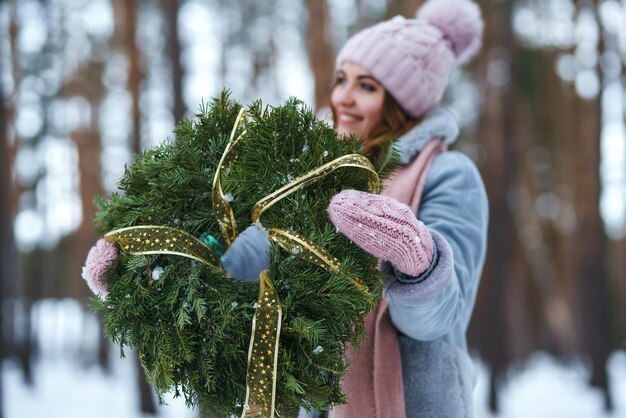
x,y
432,311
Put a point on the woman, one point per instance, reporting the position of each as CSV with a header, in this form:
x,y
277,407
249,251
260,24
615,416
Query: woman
x,y
390,79
428,226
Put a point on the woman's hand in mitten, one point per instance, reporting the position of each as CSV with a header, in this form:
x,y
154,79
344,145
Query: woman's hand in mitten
x,y
383,227
249,254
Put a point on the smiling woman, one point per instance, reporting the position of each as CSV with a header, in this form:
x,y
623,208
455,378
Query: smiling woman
x,y
427,228
362,106
357,100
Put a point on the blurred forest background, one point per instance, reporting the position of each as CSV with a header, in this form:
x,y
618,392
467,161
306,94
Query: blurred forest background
x,y
86,84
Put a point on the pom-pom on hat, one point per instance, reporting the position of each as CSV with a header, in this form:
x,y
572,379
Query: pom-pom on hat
x,y
412,57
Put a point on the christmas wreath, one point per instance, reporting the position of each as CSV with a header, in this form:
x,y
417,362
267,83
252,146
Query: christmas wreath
x,y
233,347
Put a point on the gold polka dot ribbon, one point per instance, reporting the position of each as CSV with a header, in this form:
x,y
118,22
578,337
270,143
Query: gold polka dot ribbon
x,y
148,239
295,243
263,352
221,208
315,175
300,247
303,248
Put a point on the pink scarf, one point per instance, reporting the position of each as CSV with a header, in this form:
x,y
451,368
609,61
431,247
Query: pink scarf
x,y
373,382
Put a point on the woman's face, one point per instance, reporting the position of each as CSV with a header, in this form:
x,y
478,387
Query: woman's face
x,y
357,100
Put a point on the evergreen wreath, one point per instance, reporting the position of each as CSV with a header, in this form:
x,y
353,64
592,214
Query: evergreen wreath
x,y
191,324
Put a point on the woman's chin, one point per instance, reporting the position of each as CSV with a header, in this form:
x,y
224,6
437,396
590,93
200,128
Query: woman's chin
x,y
347,130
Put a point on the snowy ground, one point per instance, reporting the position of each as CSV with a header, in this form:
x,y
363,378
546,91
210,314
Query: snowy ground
x,y
67,388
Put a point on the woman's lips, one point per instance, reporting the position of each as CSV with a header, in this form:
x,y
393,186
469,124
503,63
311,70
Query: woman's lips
x,y
347,118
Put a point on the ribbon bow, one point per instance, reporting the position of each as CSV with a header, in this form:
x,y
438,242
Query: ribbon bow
x,y
266,324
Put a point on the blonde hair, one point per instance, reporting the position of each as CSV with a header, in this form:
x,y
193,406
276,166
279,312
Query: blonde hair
x,y
395,123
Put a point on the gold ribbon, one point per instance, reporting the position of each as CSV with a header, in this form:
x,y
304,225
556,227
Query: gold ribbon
x,y
263,352
149,239
223,212
266,324
291,241
315,175
301,247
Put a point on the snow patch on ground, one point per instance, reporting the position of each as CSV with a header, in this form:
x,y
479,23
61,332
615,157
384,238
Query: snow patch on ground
x,y
546,388
69,385
64,389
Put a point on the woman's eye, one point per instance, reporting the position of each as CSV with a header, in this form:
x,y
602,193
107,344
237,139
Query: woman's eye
x,y
340,80
368,87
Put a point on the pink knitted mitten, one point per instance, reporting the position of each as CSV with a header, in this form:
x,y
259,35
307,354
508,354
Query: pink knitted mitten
x,y
383,227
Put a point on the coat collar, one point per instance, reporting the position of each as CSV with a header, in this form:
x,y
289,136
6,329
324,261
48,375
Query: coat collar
x,y
438,123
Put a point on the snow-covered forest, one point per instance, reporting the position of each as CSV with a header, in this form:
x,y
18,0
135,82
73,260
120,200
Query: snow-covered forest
x,y
85,84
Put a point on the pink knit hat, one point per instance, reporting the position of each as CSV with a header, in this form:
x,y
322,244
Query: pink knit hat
x,y
412,57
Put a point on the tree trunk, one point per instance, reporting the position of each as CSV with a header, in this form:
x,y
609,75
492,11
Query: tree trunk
x,y
21,344
498,135
126,18
170,8
103,348
592,274
136,73
591,246
321,53
87,82
618,261
6,224
146,400
406,8
560,108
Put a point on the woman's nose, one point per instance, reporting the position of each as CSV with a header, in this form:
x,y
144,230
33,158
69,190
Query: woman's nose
x,y
343,95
